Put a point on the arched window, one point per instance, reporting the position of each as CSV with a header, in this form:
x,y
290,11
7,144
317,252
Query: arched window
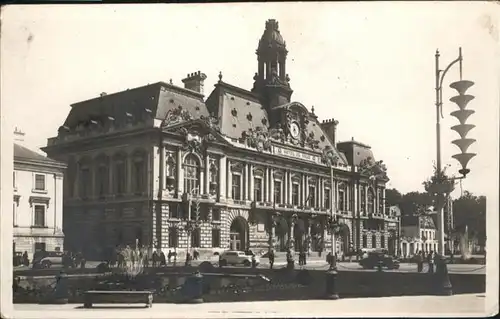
x,y
120,174
374,241
191,173
363,199
139,172
371,201
170,167
342,197
364,241
102,176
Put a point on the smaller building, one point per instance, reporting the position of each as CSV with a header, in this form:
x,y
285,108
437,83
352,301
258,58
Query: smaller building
x,y
418,233
38,201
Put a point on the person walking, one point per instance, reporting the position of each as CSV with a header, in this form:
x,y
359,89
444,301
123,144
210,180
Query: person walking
x,y
26,260
420,261
163,261
169,256
430,261
271,259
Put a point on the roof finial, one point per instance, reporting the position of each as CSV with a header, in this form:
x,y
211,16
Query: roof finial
x,y
171,81
312,109
220,76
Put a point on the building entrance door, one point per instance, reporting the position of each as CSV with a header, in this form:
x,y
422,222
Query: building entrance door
x,y
234,241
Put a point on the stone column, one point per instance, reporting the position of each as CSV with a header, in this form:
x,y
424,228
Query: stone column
x,y
307,190
291,239
222,177
128,173
206,186
285,188
266,186
290,188
383,201
229,180
251,187
303,190
321,193
245,182
271,184
180,174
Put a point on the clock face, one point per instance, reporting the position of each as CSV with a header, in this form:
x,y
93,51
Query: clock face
x,y
294,130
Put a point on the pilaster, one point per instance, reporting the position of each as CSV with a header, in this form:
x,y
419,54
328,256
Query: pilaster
x,y
245,183
229,179
180,175
271,174
266,186
222,177
251,188
206,187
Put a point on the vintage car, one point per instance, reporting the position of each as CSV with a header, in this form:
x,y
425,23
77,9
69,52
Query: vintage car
x,y
47,258
373,259
237,258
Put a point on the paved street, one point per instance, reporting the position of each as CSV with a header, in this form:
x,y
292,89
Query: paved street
x,y
316,263
457,306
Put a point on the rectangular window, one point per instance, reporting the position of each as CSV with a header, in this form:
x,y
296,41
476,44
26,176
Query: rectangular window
x,y
139,176
85,182
374,241
14,214
382,241
39,182
236,187
196,238
215,237
257,189
341,204
216,214
277,192
102,177
295,194
364,241
312,196
120,178
173,237
327,199
39,216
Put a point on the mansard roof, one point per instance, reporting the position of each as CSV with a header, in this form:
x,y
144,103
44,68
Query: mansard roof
x,y
24,154
153,99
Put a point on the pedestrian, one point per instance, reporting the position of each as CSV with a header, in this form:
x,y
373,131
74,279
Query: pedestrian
x,y
430,261
271,259
155,259
420,261
188,259
304,259
162,259
254,262
196,254
169,256
451,257
26,260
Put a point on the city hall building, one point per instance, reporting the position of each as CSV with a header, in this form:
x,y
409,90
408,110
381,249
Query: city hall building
x,y
249,169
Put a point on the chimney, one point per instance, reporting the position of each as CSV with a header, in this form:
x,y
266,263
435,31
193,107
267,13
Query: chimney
x,y
330,128
194,81
18,135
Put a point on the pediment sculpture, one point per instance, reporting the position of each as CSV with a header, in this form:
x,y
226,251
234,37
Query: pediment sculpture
x,y
257,138
277,133
212,122
329,156
176,115
372,168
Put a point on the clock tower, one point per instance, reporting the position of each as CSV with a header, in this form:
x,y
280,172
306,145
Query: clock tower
x,y
271,82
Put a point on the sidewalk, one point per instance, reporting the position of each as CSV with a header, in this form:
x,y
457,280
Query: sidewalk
x,y
456,306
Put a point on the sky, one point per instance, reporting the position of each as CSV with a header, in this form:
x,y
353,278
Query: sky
x,y
368,65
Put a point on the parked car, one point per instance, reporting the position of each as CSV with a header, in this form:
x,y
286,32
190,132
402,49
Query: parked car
x,y
48,258
373,258
237,258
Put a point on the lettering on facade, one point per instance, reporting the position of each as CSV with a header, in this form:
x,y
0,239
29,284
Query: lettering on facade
x,y
296,154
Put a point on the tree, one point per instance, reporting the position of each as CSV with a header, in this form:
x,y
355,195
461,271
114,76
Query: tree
x,y
393,197
413,202
470,210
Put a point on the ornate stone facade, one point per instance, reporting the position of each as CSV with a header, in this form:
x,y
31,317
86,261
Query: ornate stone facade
x,y
250,169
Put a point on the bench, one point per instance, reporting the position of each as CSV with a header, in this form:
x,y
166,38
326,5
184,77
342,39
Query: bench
x,y
117,296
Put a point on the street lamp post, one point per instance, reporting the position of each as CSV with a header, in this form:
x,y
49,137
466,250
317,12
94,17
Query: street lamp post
x,y
462,129
190,224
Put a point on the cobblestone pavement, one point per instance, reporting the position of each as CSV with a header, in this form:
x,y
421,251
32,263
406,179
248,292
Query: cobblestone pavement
x,y
457,306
